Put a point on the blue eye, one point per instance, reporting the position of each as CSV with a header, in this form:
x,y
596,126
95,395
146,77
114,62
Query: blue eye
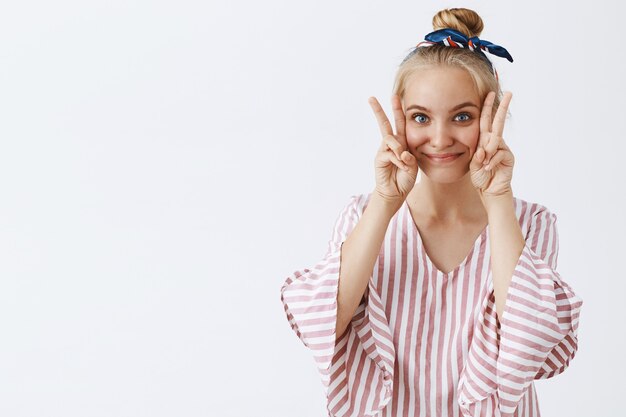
x,y
415,116
421,118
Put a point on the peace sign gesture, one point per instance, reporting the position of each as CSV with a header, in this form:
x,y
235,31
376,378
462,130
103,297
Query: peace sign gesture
x,y
396,168
491,168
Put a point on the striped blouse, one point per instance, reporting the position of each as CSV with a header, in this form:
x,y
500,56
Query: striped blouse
x,y
427,343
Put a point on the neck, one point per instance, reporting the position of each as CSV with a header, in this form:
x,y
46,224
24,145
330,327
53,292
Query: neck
x,y
446,202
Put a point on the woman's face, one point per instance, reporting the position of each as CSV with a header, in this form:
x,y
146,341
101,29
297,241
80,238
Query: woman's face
x,y
442,110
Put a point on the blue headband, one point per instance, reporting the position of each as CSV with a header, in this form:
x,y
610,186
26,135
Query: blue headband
x,y
456,39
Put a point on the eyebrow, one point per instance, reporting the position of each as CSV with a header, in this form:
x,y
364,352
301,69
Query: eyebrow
x,y
460,106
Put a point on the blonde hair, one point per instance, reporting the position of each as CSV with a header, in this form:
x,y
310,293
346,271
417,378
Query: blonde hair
x,y
470,24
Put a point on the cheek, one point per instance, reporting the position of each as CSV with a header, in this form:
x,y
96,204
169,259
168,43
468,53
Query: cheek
x,y
471,141
414,138
474,142
472,136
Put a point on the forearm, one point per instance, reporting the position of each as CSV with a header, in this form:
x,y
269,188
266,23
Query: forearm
x,y
506,244
358,256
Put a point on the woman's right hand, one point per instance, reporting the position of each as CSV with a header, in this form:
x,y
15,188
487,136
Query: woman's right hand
x,y
396,167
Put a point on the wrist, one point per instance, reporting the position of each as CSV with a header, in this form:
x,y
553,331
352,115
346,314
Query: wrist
x,y
384,205
497,202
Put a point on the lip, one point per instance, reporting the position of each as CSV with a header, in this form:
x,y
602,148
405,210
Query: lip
x,y
444,157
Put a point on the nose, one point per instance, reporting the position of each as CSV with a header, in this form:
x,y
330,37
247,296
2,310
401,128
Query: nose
x,y
441,137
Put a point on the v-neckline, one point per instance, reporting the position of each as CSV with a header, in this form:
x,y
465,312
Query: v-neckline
x,y
425,255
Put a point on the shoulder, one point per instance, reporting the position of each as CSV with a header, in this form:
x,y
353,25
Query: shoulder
x,y
525,208
357,203
532,213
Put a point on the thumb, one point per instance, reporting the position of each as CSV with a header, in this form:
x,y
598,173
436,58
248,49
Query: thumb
x,y
477,160
405,156
409,159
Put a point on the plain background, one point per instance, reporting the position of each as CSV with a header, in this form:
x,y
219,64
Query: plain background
x,y
164,166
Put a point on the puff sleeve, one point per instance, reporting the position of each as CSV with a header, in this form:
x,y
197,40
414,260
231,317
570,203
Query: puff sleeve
x,y
356,370
536,337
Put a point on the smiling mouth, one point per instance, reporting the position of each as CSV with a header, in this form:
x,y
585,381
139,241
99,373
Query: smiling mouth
x,y
443,157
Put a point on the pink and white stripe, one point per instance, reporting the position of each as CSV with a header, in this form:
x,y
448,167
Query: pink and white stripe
x,y
426,343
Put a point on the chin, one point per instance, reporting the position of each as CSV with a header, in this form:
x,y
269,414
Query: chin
x,y
445,176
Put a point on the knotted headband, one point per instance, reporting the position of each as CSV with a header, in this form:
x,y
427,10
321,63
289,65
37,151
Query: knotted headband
x,y
456,39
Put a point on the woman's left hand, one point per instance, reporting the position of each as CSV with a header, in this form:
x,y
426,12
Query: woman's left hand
x,y
491,168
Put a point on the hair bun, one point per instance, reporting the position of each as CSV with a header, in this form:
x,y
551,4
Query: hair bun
x,y
464,20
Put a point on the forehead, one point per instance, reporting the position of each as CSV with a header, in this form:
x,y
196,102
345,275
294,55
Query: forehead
x,y
440,88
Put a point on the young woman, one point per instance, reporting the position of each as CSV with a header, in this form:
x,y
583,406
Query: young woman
x,y
439,297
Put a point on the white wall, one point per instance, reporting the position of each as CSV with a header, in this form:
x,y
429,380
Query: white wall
x,y
165,165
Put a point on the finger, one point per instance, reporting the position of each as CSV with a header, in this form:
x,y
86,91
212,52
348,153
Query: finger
x,y
500,117
492,147
392,143
409,159
495,161
485,118
502,146
400,118
477,160
389,156
381,117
